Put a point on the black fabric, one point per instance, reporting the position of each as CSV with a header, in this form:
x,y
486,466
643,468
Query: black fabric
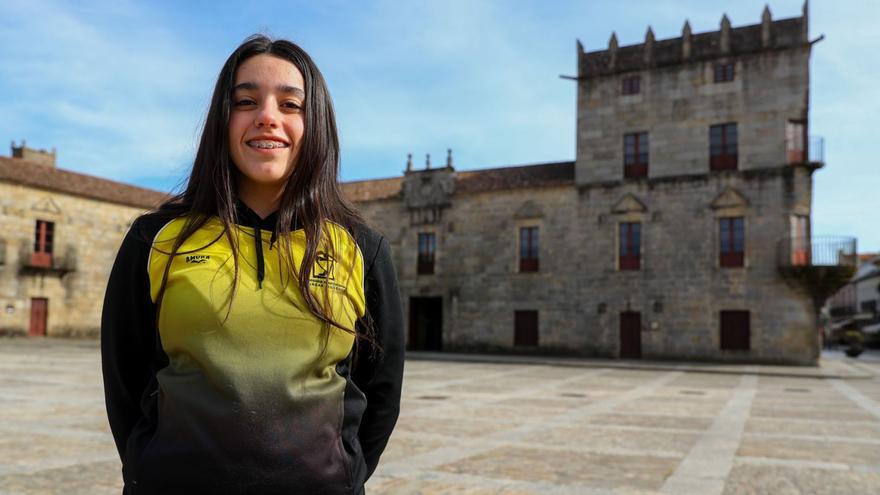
x,y
379,374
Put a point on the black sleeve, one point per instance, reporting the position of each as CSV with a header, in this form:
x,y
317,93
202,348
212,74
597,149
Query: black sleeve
x,y
381,376
127,335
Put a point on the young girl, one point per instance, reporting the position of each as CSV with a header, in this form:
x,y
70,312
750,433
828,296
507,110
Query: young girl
x,y
252,335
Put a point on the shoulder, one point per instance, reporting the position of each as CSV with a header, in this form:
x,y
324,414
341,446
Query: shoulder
x,y
372,244
145,227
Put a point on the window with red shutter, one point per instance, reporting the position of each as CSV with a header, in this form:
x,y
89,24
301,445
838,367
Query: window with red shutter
x,y
528,249
724,72
732,246
723,147
44,234
629,246
630,85
427,246
795,141
635,155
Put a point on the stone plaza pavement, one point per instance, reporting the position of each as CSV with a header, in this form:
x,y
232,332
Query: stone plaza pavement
x,y
510,428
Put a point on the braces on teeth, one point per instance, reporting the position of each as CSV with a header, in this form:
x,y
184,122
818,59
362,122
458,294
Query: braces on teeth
x,y
267,144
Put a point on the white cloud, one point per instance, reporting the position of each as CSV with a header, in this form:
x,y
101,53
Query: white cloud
x,y
115,90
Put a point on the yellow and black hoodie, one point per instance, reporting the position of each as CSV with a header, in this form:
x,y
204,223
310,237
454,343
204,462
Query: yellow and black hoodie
x,y
246,399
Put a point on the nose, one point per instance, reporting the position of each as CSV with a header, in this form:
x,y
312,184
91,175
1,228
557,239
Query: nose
x,y
267,117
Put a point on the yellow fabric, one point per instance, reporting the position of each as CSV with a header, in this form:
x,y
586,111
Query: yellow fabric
x,y
267,345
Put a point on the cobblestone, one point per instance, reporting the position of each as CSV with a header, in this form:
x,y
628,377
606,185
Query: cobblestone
x,y
508,429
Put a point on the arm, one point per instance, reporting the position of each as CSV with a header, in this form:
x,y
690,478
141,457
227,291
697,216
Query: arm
x,y
381,376
127,335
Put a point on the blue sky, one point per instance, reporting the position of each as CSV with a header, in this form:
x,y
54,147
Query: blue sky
x,y
120,88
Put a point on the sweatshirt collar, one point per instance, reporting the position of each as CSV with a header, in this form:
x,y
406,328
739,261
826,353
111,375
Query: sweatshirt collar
x,y
249,218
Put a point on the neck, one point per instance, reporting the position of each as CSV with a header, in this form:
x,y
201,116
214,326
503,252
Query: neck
x,y
264,200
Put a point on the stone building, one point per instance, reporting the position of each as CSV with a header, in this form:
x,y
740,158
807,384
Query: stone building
x,y
681,230
59,233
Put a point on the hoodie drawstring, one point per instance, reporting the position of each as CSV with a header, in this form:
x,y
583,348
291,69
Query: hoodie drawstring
x,y
261,268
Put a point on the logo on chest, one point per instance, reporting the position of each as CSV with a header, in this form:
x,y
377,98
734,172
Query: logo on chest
x,y
323,273
198,259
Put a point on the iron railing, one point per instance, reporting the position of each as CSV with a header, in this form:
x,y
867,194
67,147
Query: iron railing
x,y
817,251
816,150
55,263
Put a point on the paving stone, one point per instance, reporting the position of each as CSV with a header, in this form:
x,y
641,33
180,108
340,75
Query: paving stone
x,y
841,413
563,467
428,487
97,478
782,480
811,450
535,430
402,446
654,421
677,407
859,429
450,427
611,439
704,380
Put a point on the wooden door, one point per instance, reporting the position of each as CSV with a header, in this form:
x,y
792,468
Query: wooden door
x,y
735,331
525,328
425,324
39,316
630,335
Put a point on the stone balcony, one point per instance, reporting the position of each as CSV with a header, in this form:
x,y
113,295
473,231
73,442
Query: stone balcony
x,y
819,265
806,151
32,263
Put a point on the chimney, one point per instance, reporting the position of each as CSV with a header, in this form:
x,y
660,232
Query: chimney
x,y
686,41
41,157
449,158
766,21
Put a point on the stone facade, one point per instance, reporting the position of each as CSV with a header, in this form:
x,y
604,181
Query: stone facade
x,y
681,288
474,287
90,217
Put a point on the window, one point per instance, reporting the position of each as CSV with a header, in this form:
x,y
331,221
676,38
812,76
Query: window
x,y
427,246
43,237
722,147
735,331
525,328
732,235
528,249
635,155
795,140
629,246
800,240
630,85
724,72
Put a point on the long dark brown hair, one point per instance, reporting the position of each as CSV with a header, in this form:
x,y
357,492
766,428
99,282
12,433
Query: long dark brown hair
x,y
311,197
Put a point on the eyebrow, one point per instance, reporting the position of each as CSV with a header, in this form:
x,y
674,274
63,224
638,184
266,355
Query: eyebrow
x,y
282,88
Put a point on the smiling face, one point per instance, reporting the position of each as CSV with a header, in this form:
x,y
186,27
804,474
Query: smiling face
x,y
266,123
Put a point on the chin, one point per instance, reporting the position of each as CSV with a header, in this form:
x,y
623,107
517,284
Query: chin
x,y
262,177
